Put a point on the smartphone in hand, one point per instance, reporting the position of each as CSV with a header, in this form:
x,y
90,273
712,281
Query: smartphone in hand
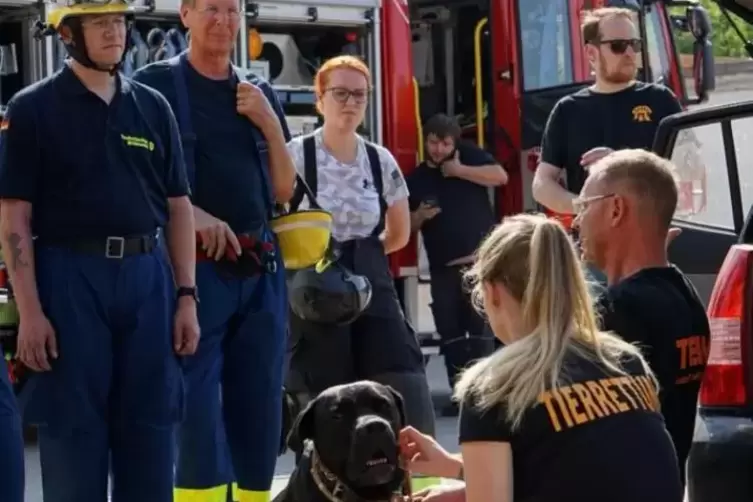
x,y
431,202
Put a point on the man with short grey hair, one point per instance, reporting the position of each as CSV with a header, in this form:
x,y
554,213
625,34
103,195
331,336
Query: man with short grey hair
x,y
624,213
234,136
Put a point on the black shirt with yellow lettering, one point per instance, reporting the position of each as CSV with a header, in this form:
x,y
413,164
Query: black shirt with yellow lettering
x,y
659,309
596,437
587,119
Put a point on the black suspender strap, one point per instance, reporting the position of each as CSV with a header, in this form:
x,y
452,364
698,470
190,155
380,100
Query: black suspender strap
x,y
376,174
310,187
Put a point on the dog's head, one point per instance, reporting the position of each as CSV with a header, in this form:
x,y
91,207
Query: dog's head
x,y
355,430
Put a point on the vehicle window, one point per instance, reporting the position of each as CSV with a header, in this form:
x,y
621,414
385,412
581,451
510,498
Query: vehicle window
x,y
546,44
657,47
699,158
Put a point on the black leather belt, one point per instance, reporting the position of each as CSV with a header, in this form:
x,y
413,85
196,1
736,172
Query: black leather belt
x,y
113,247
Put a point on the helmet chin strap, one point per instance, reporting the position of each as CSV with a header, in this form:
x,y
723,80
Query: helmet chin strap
x,y
76,49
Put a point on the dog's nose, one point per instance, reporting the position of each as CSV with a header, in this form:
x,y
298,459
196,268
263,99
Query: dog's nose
x,y
375,426
372,424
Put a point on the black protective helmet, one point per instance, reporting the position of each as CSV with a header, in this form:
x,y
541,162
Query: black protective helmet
x,y
329,294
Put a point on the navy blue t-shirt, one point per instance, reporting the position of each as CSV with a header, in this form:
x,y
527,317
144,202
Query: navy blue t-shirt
x,y
466,215
90,169
229,183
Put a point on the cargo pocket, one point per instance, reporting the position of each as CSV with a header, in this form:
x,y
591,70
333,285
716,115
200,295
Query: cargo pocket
x,y
47,401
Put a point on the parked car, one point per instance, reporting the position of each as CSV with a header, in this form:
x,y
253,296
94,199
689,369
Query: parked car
x,y
715,249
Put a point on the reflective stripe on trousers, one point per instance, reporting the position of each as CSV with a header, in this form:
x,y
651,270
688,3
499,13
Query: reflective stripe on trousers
x,y
220,494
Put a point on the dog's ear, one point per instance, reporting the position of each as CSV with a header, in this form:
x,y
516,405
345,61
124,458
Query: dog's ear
x,y
303,428
400,403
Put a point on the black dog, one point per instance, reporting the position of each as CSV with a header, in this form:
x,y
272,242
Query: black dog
x,y
349,439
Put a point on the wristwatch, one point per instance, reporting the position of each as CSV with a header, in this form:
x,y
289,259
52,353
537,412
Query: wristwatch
x,y
193,292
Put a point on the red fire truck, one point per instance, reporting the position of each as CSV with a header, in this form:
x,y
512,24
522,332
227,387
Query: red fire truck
x,y
500,67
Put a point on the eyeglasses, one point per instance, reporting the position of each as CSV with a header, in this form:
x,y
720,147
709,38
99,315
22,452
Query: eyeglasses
x,y
580,204
620,45
106,23
214,13
341,95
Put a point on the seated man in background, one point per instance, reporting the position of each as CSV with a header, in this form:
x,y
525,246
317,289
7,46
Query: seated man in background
x,y
451,207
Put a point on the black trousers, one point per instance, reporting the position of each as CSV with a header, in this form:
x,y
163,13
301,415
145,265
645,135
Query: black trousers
x,y
380,345
464,334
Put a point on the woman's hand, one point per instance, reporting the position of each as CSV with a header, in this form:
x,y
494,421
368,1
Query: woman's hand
x,y
423,455
441,493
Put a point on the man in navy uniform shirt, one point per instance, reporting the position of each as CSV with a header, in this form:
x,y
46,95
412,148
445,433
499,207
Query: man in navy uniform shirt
x,y
234,135
94,209
450,205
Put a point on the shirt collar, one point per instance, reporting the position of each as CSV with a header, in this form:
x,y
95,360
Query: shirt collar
x,y
69,83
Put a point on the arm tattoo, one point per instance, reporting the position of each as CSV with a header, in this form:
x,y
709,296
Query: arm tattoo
x,y
14,241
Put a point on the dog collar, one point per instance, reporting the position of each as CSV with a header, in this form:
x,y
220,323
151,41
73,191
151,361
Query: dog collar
x,y
329,485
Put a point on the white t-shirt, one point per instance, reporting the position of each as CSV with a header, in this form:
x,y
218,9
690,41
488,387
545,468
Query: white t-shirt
x,y
347,190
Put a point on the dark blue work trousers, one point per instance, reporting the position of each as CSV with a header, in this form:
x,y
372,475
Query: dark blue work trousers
x,y
115,392
11,444
231,431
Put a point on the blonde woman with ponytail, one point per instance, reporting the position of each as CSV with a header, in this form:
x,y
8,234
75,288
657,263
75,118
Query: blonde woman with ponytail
x,y
564,412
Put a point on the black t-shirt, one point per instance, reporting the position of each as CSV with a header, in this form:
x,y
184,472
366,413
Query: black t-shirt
x,y
597,437
659,309
586,120
467,214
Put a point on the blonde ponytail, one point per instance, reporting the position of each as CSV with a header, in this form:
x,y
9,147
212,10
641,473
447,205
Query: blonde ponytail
x,y
536,261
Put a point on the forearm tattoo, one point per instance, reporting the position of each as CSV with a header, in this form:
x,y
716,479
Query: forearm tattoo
x,y
16,261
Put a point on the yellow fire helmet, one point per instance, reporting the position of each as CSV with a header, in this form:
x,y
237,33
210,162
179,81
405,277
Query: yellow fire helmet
x,y
69,12
60,10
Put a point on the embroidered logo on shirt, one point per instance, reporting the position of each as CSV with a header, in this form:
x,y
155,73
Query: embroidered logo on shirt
x,y
397,178
138,142
642,113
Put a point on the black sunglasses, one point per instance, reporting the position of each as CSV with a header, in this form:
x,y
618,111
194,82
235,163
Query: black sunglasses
x,y
620,45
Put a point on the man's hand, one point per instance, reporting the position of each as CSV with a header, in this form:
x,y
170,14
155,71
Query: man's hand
x,y
251,102
186,332
215,235
426,212
36,342
594,155
451,168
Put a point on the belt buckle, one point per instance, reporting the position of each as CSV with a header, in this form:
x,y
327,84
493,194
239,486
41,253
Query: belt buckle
x,y
115,248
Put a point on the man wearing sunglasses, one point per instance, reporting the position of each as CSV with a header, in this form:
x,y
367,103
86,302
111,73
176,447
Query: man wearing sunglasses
x,y
615,112
624,214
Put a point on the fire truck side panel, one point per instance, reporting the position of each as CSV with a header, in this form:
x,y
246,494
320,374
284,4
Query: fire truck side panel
x,y
506,68
399,108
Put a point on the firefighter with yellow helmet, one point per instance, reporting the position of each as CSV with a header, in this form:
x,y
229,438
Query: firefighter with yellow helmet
x,y
98,231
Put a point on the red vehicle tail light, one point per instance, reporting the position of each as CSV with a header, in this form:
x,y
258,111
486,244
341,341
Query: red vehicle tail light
x,y
726,381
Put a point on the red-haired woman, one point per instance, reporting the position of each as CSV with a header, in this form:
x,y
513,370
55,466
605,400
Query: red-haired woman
x,y
362,186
